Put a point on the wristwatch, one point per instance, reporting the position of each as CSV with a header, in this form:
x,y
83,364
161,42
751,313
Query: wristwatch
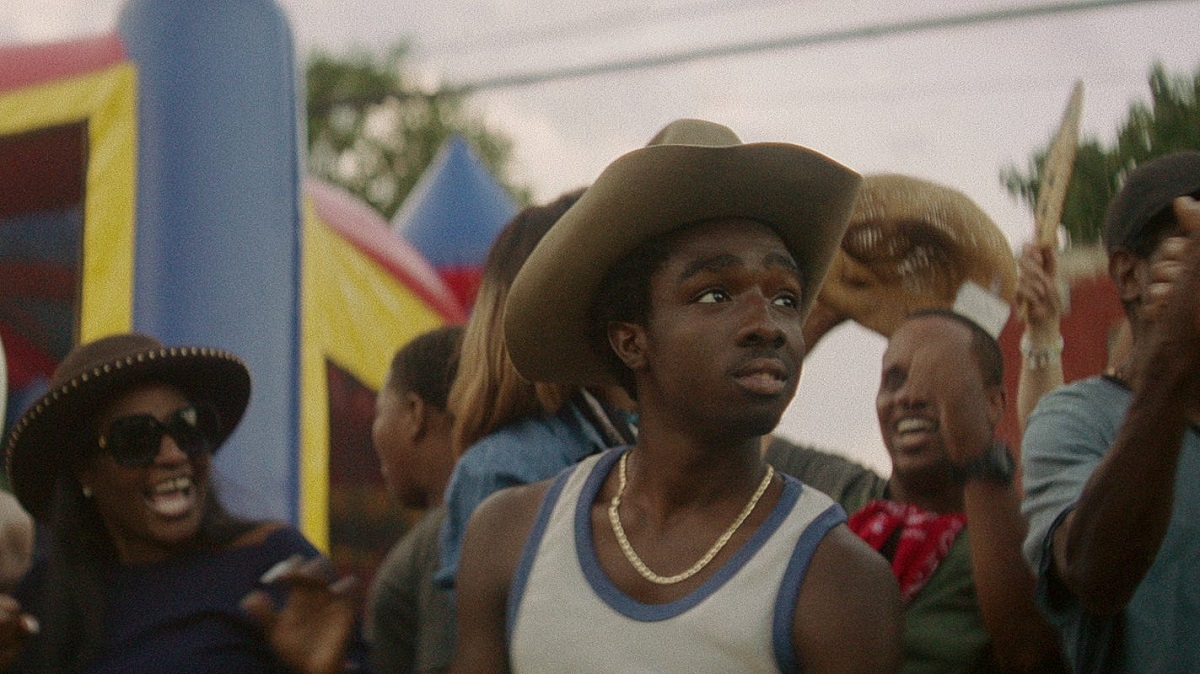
x,y
995,465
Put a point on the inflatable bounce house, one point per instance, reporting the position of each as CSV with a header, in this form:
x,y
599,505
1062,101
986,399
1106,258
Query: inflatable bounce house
x,y
452,216
151,179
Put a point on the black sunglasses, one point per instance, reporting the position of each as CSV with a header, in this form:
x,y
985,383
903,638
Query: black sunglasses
x,y
133,441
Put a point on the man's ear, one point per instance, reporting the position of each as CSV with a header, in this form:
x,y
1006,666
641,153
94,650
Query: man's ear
x,y
1123,270
996,402
628,341
417,412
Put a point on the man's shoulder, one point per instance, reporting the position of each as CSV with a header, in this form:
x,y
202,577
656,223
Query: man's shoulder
x,y
849,594
420,541
495,536
849,483
414,558
510,510
1088,410
1097,394
513,511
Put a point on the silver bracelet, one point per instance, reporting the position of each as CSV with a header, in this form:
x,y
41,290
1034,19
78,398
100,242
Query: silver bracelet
x,y
1043,358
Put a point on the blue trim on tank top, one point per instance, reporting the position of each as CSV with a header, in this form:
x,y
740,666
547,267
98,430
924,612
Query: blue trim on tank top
x,y
622,603
789,588
529,552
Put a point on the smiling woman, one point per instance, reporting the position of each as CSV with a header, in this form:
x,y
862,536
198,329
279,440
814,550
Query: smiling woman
x,y
146,568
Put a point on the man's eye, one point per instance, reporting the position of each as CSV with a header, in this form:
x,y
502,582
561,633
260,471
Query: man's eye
x,y
891,380
713,296
787,300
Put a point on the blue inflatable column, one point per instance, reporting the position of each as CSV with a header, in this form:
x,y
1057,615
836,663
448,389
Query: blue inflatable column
x,y
218,215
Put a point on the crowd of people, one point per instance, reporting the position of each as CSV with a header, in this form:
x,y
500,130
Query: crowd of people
x,y
595,460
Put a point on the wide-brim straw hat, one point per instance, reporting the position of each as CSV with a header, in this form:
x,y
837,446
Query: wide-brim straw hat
x,y
911,244
692,171
59,428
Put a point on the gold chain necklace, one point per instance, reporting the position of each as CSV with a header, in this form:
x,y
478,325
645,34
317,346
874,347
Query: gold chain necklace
x,y
615,518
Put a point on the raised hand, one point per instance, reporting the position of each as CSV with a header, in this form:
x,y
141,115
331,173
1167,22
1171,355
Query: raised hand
x,y
966,427
313,628
1172,308
1037,297
1171,259
15,628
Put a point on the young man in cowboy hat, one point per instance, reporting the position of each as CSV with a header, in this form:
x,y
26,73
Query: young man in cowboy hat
x,y
1111,463
683,274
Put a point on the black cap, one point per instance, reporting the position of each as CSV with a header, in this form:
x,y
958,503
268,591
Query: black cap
x,y
1148,189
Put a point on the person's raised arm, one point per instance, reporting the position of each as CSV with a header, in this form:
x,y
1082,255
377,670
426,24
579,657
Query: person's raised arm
x,y
1105,545
495,538
1040,305
848,617
1004,584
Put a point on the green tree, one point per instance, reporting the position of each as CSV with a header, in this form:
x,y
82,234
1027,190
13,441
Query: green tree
x,y
1169,123
374,132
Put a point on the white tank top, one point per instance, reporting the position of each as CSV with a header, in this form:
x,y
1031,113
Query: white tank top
x,y
565,615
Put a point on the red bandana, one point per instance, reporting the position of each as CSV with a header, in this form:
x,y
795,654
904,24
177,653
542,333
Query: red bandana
x,y
923,540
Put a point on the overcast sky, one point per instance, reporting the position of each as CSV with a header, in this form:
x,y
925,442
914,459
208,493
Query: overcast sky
x,y
954,105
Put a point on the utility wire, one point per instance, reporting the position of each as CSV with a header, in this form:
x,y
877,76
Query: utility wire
x,y
793,42
599,23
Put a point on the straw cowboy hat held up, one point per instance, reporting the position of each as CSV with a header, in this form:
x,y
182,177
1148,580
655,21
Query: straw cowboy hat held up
x,y
59,427
692,171
912,244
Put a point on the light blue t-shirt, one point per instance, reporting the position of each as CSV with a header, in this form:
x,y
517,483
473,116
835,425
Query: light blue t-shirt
x,y
1068,434
524,452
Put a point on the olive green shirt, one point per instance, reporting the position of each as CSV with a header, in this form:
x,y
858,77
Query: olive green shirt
x,y
943,630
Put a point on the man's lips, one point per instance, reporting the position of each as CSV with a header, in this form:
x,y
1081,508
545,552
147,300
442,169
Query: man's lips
x,y
915,425
911,430
763,376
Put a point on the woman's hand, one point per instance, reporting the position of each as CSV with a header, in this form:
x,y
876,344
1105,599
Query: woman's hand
x,y
313,628
1038,298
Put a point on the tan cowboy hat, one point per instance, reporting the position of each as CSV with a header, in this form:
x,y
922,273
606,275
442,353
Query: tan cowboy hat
x,y
692,171
912,244
59,427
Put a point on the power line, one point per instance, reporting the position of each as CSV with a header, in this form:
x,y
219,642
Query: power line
x,y
792,42
592,25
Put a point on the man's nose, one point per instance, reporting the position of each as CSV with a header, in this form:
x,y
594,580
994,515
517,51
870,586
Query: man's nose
x,y
761,322
912,394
